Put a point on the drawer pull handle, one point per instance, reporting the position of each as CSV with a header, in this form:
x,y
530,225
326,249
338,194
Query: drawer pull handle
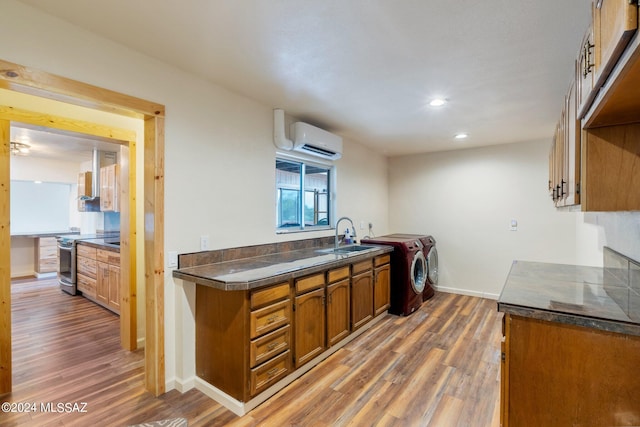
x,y
272,345
272,318
271,372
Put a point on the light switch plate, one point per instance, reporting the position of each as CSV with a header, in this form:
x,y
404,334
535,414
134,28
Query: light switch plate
x,y
172,259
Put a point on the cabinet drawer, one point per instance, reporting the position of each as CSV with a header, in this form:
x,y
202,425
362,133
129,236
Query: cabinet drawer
x,y
269,295
309,283
270,318
267,346
48,252
381,260
87,266
361,266
109,257
86,251
338,274
270,372
86,285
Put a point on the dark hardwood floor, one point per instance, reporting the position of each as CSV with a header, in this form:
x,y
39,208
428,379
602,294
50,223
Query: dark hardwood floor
x,y
436,367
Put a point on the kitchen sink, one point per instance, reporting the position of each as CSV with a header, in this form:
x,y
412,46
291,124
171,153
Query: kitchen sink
x,y
342,250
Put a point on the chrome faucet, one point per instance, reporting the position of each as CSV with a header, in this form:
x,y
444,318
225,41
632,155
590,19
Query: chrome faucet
x,y
337,243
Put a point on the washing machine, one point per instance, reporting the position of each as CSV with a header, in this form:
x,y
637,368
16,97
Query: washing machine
x,y
408,271
431,255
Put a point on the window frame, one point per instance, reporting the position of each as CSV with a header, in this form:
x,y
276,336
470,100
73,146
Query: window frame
x,y
331,192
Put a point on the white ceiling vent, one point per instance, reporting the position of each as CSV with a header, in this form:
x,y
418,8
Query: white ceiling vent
x,y
306,138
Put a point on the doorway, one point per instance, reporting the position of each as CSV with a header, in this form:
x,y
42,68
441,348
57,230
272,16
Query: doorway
x,y
20,79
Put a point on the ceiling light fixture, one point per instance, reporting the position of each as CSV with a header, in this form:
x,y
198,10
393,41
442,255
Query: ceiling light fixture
x,y
461,135
19,148
437,102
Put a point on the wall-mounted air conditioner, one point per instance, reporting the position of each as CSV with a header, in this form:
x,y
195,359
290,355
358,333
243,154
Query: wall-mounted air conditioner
x,y
306,138
315,141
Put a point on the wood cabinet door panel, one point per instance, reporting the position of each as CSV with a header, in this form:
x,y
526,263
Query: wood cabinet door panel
x,y
615,22
361,300
102,283
338,305
381,292
114,288
580,376
309,326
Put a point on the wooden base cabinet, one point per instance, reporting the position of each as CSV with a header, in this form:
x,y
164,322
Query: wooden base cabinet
x,y
99,276
338,298
243,338
381,284
555,374
361,294
249,340
310,320
46,255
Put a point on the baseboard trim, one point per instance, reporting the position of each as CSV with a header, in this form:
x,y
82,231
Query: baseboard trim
x,y
468,292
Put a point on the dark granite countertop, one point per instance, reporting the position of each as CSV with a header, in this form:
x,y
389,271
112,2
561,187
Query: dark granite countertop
x,y
110,243
258,271
37,234
579,295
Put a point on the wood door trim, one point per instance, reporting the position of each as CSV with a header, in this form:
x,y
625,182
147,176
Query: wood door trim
x,y
22,79
5,261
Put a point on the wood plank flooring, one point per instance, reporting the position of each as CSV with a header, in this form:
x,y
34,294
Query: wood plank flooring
x,y
436,367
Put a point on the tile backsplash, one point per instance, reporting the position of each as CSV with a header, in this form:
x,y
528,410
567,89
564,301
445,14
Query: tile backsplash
x,y
620,269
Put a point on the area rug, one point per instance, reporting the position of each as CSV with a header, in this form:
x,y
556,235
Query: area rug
x,y
173,422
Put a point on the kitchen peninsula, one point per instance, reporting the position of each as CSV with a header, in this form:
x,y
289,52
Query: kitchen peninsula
x,y
266,314
571,344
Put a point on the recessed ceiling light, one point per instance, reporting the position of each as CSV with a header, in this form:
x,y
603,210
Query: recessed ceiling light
x,y
437,102
461,135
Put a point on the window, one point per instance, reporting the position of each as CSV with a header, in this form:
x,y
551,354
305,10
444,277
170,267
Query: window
x,y
303,195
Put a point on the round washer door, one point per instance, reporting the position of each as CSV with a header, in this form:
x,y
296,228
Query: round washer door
x,y
418,272
432,266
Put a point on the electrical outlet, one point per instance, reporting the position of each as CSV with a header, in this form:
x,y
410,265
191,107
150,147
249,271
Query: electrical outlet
x,y
172,259
361,225
204,243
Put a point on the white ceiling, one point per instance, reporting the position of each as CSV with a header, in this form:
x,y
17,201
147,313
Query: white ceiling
x,y
51,144
366,68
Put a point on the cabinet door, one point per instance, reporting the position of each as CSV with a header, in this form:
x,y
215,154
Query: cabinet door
x,y
109,188
381,292
572,150
614,22
309,315
361,299
84,189
102,283
337,312
114,288
584,74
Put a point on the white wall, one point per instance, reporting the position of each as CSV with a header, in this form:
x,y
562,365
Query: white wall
x,y
466,200
219,155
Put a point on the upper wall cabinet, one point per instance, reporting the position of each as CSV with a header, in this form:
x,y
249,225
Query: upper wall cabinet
x,y
597,154
614,24
564,157
109,188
